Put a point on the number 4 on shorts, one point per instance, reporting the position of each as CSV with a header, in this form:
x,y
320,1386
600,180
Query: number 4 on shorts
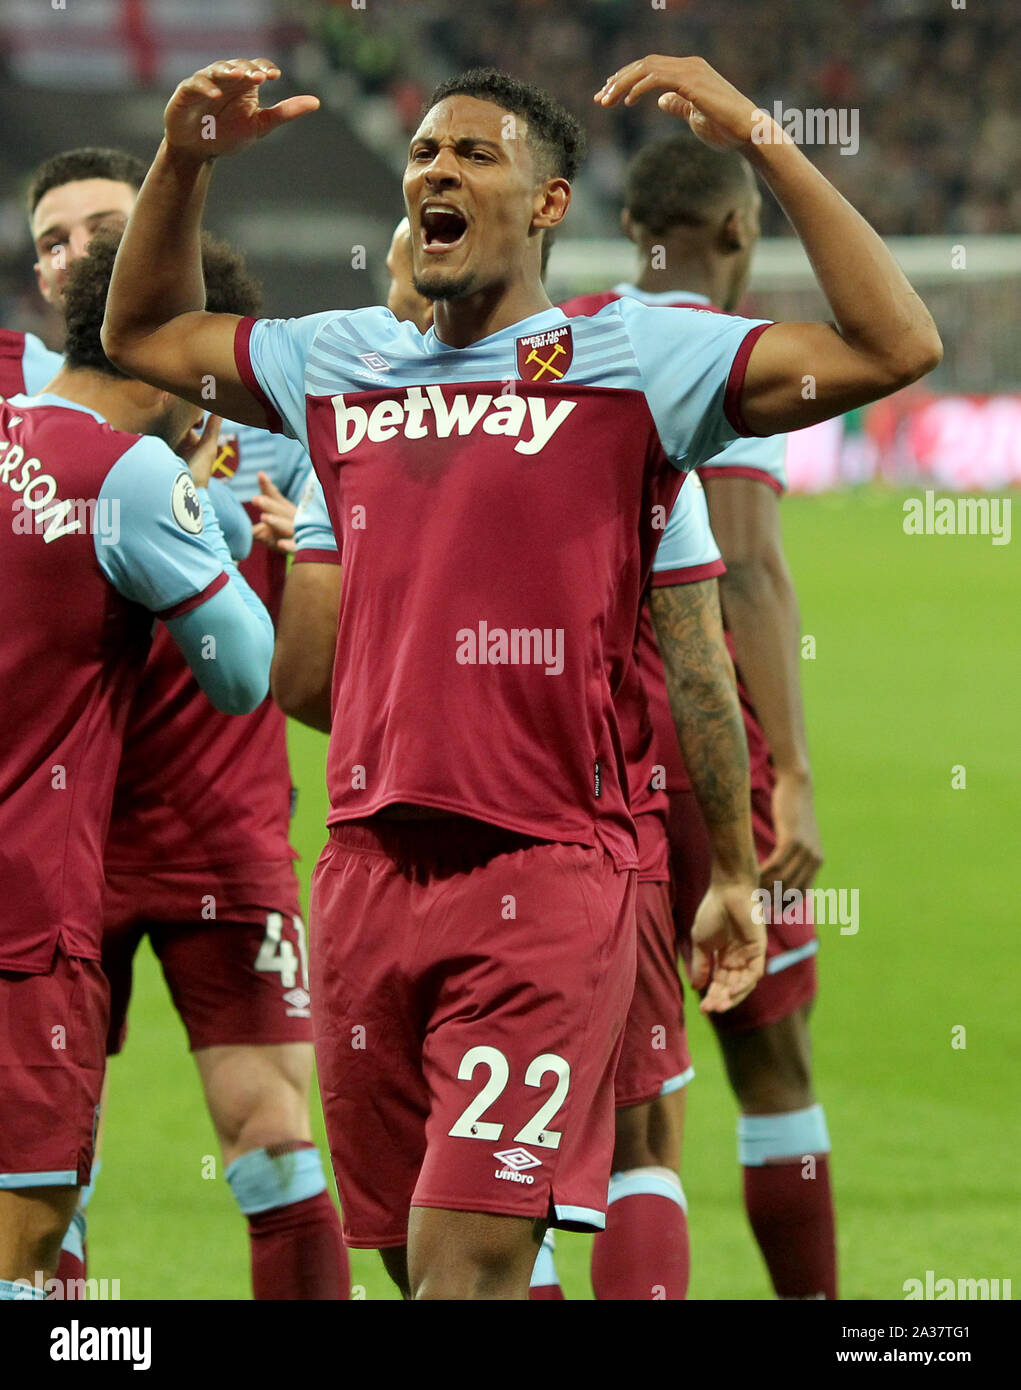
x,y
276,953
470,1125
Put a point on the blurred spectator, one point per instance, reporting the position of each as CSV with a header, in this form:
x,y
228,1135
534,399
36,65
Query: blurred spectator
x,y
934,87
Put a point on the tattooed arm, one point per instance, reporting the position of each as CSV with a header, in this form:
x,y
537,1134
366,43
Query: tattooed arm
x,y
728,943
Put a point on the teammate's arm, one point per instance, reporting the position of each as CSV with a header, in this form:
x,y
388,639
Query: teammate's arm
x,y
156,327
302,671
169,555
882,337
302,674
761,611
728,944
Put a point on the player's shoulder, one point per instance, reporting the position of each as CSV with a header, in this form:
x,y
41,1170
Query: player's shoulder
x,y
585,305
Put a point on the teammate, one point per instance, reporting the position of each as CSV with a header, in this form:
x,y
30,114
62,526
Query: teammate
x,y
197,855
694,215
101,528
492,579
26,363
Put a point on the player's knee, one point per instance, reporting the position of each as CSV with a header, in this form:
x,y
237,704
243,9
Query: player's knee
x,y
34,1224
636,1139
771,1069
473,1273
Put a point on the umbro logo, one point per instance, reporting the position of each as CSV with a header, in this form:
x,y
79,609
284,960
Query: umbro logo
x,y
375,361
518,1159
299,1001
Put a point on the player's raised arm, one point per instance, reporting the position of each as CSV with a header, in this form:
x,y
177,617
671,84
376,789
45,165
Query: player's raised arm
x,y
882,337
156,327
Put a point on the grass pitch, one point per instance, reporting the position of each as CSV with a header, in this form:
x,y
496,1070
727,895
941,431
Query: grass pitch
x,y
914,679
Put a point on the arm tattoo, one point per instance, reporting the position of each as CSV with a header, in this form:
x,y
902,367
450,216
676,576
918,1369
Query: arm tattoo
x,y
703,697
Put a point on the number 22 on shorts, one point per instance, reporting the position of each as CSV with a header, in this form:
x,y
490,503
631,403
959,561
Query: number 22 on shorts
x,y
470,1125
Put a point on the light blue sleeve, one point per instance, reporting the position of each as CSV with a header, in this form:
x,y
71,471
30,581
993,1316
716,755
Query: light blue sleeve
x,y
235,522
685,358
278,351
161,546
750,455
688,541
294,468
313,529
38,364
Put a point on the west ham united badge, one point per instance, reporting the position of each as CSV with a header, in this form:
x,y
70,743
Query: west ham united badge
x,y
225,465
545,356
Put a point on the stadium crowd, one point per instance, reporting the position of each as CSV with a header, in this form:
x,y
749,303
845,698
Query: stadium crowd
x,y
940,133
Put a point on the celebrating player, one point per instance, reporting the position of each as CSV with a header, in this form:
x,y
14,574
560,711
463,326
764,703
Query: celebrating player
x,y
694,216
494,486
197,855
101,528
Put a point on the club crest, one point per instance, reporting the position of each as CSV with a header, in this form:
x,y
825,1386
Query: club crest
x,y
546,357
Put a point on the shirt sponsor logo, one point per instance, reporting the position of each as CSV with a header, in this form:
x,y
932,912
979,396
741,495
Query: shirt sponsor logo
x,y
423,413
515,646
185,505
545,356
514,1161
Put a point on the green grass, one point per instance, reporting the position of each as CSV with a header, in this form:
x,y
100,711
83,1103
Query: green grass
x,y
917,670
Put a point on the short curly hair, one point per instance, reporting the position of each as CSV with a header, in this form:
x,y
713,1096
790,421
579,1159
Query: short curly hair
x,y
679,182
556,139
90,162
230,289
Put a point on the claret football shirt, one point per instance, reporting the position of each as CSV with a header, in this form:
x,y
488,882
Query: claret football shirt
x,y
496,508
99,531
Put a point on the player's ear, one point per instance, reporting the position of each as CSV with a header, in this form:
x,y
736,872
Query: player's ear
x,y
553,198
734,232
627,225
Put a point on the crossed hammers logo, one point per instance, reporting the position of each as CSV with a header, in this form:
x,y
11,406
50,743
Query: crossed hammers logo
x,y
546,365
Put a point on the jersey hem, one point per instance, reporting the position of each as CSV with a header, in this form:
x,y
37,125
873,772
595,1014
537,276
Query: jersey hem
x,y
519,827
665,579
318,557
758,475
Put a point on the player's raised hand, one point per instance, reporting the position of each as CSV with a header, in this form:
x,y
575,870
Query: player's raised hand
x,y
276,528
797,857
717,112
216,111
199,451
728,941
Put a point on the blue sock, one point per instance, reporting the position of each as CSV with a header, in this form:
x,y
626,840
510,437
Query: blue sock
x,y
74,1238
761,1138
12,1292
544,1271
260,1182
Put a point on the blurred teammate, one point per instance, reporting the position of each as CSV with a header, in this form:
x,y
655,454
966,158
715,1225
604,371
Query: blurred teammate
x,y
694,215
197,855
101,527
493,486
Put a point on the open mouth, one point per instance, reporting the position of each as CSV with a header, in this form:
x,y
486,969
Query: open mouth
x,y
442,228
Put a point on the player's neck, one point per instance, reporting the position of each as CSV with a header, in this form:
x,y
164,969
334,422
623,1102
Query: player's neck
x,y
669,268
124,404
461,322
